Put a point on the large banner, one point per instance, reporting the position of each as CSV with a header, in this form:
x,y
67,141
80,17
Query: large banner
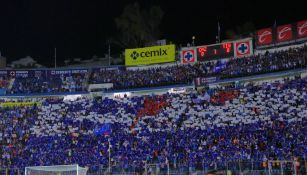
x,y
264,36
23,73
284,33
302,29
41,73
204,81
150,55
16,104
66,72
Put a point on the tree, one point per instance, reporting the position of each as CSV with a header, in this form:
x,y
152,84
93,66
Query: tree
x,y
137,26
244,30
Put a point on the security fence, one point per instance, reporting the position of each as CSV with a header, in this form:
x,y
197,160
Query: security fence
x,y
199,168
202,168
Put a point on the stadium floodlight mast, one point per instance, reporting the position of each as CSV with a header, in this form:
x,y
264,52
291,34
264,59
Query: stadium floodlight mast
x,y
55,57
193,40
218,37
108,43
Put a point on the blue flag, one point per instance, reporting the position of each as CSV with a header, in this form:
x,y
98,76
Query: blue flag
x,y
104,129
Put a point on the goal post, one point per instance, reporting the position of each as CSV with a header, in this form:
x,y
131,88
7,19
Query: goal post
x,y
56,170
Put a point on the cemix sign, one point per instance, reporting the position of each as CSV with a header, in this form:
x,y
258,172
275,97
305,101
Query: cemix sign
x,y
150,55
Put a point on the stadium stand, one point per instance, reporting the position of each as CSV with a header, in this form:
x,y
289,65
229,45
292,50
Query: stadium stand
x,y
193,131
49,84
292,58
237,127
178,74
3,82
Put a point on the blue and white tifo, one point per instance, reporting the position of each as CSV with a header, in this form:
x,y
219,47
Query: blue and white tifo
x,y
243,115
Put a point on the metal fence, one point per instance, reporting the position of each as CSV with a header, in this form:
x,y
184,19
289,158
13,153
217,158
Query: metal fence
x,y
199,168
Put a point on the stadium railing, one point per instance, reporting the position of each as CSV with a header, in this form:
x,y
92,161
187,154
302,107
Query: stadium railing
x,y
235,167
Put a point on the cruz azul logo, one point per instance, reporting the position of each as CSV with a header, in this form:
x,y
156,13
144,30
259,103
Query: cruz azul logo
x,y
264,36
243,48
188,56
147,54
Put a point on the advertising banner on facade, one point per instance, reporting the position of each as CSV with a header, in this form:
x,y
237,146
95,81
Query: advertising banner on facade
x,y
284,33
264,36
150,55
204,81
188,56
243,48
302,29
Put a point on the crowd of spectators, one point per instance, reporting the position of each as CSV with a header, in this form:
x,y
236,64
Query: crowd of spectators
x,y
4,82
50,84
251,122
74,83
30,85
144,77
185,74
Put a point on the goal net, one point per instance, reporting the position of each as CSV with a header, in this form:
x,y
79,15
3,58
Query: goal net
x,y
56,170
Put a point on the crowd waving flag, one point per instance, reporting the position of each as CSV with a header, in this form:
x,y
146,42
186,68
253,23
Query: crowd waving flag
x,y
105,129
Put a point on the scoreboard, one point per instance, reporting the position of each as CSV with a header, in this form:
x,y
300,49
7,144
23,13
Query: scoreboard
x,y
215,51
229,49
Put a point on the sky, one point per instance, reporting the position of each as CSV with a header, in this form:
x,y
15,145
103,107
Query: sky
x,y
79,28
